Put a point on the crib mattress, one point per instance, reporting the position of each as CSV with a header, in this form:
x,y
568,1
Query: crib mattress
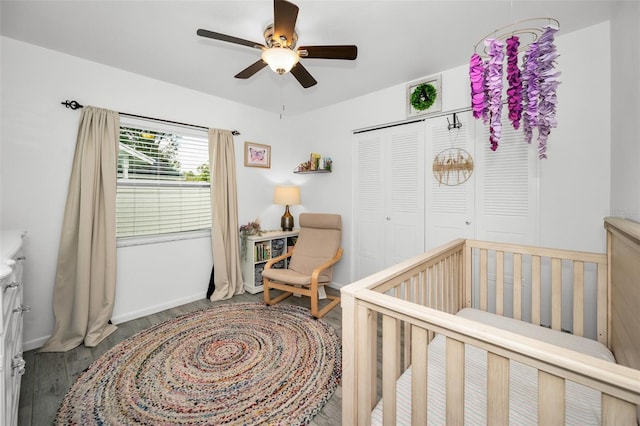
x,y
582,403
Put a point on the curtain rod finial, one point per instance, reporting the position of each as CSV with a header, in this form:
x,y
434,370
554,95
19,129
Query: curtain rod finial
x,y
71,104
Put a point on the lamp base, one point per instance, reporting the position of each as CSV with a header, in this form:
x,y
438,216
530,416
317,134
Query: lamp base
x,y
286,222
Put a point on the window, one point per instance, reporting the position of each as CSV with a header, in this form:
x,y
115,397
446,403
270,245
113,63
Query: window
x,y
163,180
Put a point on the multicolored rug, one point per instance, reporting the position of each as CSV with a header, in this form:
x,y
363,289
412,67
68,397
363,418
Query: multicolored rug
x,y
243,363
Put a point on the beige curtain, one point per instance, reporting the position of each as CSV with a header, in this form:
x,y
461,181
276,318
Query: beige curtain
x,y
84,289
224,216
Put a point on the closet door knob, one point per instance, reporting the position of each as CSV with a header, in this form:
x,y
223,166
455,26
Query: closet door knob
x,y
388,217
12,284
467,223
22,309
18,365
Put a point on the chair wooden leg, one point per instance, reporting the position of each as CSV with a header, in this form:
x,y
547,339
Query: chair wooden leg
x,y
267,297
334,301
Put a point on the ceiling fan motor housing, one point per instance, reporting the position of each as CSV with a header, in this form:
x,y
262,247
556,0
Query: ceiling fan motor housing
x,y
271,40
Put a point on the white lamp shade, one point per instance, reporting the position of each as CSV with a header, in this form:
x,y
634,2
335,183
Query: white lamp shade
x,y
280,59
286,195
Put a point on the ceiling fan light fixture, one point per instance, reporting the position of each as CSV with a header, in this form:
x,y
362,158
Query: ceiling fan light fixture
x,y
280,59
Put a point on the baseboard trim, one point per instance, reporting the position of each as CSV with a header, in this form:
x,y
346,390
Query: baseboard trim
x,y
40,341
35,343
335,285
119,319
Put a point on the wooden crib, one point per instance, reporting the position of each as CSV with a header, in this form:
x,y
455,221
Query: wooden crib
x,y
391,318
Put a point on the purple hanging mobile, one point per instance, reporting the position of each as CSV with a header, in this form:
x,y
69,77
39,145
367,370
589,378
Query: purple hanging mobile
x,y
514,77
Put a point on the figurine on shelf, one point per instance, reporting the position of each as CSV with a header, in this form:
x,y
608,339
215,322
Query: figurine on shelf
x,y
314,161
302,167
327,163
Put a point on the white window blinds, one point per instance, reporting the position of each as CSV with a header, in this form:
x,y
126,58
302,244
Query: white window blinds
x,y
163,180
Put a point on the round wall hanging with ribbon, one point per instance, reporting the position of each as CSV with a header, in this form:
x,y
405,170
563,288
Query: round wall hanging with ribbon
x,y
452,166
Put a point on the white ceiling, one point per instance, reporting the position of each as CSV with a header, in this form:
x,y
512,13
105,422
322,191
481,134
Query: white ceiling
x,y
398,41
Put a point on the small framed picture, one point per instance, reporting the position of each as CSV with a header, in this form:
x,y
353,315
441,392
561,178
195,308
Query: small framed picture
x,y
257,155
424,96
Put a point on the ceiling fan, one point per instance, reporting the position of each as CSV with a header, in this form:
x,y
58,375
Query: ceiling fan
x,y
279,50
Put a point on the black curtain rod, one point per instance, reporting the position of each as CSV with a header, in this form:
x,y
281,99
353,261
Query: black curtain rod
x,y
75,105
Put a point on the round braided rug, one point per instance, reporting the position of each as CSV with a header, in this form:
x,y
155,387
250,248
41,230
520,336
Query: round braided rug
x,y
244,363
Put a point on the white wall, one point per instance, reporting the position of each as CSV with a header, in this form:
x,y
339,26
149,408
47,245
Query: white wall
x,y
625,113
38,141
574,180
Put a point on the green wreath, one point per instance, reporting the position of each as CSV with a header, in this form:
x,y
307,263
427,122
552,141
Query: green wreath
x,y
423,96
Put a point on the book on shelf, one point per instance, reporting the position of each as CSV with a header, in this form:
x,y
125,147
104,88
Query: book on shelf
x,y
261,252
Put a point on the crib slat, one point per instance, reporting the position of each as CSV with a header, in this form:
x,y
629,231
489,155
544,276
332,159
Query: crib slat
x,y
517,286
406,329
438,283
556,294
603,313
445,285
390,364
468,269
364,367
419,287
455,382
551,401
433,280
373,360
458,281
578,298
406,347
441,286
615,411
497,390
419,380
499,282
484,288
535,290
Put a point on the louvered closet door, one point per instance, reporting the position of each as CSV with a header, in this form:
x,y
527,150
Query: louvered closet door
x,y
369,200
500,200
450,208
506,187
388,197
405,193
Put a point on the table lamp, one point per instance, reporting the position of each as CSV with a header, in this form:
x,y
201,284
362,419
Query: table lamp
x,y
286,196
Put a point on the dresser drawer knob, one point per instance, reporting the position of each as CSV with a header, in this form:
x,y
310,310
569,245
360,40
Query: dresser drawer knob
x,y
18,365
12,284
22,309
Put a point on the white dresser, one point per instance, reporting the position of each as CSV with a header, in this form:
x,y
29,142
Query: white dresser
x,y
12,365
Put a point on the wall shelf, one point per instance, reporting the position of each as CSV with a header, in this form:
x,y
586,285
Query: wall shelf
x,y
316,164
304,172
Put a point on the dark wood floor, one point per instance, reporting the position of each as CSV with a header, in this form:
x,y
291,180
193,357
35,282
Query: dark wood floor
x,y
50,375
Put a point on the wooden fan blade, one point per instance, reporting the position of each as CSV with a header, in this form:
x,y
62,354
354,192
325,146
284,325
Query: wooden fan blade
x,y
349,52
284,21
302,75
229,39
251,69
